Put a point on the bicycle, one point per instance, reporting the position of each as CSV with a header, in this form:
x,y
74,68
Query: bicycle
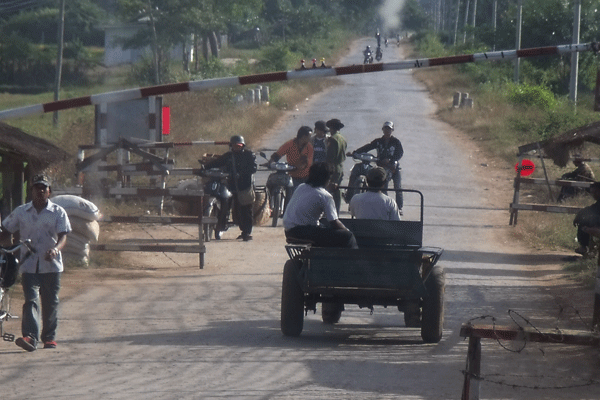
x,y
9,269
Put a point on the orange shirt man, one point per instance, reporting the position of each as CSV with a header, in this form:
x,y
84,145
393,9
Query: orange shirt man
x,y
298,152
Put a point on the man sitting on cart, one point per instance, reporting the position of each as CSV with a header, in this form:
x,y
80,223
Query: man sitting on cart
x,y
308,203
373,204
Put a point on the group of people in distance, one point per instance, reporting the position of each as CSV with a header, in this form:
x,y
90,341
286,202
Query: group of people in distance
x,y
318,155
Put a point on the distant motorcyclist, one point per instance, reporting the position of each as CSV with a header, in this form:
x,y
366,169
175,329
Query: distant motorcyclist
x,y
389,152
378,37
368,55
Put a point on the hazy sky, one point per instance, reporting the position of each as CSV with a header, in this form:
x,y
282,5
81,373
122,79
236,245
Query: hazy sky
x,y
389,12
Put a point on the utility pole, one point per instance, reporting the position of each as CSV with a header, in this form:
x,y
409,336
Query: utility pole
x,y
473,22
575,55
518,44
59,58
456,21
466,21
494,21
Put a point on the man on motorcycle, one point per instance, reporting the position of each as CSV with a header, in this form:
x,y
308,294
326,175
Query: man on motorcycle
x,y
373,204
368,55
46,224
389,152
240,163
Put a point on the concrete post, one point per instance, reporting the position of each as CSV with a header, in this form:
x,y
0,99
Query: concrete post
x,y
456,100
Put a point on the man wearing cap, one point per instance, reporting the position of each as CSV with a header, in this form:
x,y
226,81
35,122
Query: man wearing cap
x,y
46,224
389,152
240,163
336,155
319,142
373,204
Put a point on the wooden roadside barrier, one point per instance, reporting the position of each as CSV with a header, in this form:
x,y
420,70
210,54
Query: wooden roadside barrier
x,y
472,381
515,206
158,247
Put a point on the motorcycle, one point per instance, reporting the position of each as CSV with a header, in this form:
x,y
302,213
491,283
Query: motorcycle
x,y
379,54
279,184
216,194
368,57
357,182
9,266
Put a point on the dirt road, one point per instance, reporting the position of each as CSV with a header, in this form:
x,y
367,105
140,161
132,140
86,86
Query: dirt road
x,y
157,327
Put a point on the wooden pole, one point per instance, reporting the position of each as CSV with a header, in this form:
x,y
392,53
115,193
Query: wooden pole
x,y
472,381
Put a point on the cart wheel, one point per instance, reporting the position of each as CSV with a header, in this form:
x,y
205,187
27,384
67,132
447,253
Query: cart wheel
x,y
292,300
331,312
433,306
412,315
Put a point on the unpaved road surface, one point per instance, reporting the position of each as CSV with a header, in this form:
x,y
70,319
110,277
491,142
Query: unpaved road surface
x,y
157,327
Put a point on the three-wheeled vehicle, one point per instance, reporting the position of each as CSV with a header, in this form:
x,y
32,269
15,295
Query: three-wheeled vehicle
x,y
390,268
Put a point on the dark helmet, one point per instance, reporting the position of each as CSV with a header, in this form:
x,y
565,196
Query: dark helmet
x,y
368,47
236,139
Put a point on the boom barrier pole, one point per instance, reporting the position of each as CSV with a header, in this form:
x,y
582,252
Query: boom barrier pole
x,y
307,73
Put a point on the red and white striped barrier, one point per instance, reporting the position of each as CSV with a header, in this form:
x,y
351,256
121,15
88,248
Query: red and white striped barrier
x,y
320,72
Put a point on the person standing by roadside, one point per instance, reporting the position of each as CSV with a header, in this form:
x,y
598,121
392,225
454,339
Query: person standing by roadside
x,y
587,221
389,152
336,155
319,142
299,154
240,163
46,224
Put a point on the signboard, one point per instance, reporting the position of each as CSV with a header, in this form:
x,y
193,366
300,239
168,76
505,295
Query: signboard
x,y
132,119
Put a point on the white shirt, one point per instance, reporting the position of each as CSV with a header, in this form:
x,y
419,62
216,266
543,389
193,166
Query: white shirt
x,y
307,205
374,205
42,229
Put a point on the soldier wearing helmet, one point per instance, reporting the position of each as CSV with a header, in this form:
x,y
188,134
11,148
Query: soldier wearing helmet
x,y
389,152
240,163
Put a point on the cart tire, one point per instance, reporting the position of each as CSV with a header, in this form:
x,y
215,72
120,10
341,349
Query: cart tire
x,y
432,323
331,312
276,213
292,300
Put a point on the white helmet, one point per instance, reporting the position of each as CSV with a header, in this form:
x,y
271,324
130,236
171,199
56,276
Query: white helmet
x,y
388,124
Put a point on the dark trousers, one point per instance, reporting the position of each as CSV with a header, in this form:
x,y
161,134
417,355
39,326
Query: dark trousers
x,y
44,287
243,215
397,179
323,237
582,237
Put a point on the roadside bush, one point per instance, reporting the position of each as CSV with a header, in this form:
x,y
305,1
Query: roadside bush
x,y
530,95
277,58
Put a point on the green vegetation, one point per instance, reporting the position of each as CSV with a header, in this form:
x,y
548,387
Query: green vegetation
x,y
507,114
